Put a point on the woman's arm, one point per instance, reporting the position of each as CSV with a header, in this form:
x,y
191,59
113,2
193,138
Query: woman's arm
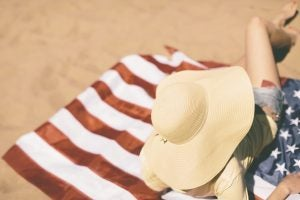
x,y
289,185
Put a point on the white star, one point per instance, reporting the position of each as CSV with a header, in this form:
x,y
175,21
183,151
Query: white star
x,y
291,148
281,168
289,111
295,121
284,134
297,94
275,153
297,163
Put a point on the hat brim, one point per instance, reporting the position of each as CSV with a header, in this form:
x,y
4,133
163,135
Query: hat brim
x,y
229,118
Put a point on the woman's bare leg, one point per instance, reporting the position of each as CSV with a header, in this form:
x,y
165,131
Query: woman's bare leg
x,y
263,39
260,63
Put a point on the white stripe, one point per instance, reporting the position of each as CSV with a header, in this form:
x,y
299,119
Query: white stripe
x,y
293,197
80,177
131,93
96,144
177,58
263,189
143,69
164,60
115,119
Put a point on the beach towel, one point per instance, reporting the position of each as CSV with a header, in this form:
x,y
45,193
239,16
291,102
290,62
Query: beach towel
x,y
89,148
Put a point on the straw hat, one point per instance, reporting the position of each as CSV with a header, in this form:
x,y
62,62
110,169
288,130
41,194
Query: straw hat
x,y
199,118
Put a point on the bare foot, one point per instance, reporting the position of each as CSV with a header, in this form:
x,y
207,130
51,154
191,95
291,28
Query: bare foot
x,y
293,32
287,14
282,38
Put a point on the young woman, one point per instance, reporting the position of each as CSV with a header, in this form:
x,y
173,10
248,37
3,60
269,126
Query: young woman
x,y
209,125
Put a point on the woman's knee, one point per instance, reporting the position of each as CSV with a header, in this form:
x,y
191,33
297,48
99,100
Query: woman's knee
x,y
256,22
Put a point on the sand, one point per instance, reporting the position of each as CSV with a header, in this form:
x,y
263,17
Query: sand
x,y
51,50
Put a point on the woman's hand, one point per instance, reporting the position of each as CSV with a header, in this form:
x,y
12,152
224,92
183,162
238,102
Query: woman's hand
x,y
289,185
292,183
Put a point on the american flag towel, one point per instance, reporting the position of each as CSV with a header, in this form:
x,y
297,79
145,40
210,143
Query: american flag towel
x,y
89,148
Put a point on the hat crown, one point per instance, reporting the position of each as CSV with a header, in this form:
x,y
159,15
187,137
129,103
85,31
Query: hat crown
x,y
180,111
223,119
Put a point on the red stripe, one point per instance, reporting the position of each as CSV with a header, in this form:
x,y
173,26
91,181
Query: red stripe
x,y
130,109
267,84
130,78
95,162
168,69
283,80
171,50
212,64
94,125
257,198
187,66
45,181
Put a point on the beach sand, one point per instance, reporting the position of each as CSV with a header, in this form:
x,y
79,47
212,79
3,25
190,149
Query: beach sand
x,y
51,50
